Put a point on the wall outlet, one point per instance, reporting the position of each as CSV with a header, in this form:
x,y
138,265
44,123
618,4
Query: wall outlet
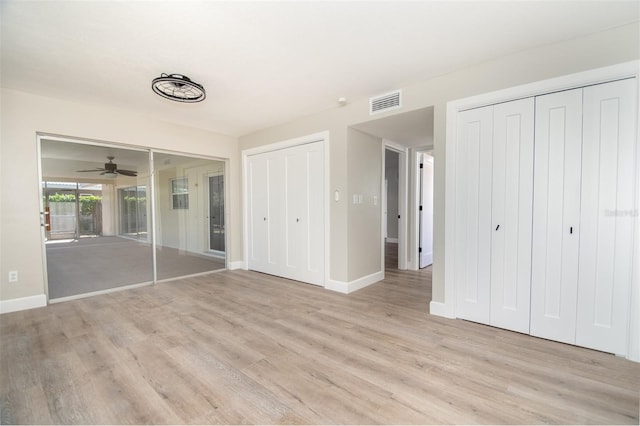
x,y
13,276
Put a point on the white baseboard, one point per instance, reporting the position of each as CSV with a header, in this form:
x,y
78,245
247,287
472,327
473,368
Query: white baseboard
x,y
441,310
100,292
23,303
240,264
351,286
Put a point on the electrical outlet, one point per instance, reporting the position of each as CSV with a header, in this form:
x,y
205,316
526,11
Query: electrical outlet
x,y
13,276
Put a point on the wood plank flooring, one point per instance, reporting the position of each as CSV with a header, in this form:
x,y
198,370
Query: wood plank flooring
x,y
242,347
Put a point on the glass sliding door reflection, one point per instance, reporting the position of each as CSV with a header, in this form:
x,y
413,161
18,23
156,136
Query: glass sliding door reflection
x,y
133,211
104,216
189,200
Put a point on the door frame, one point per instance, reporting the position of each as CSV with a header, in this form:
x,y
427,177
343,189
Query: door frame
x,y
421,211
40,136
403,193
323,138
446,307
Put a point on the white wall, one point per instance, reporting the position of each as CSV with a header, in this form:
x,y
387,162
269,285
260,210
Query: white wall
x,y
617,45
25,114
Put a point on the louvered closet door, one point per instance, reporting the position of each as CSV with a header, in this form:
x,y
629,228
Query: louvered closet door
x,y
556,215
304,238
609,161
512,199
473,214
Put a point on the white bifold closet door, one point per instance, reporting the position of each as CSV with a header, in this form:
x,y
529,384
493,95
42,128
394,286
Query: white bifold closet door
x,y
493,214
472,257
585,177
511,214
286,213
556,204
608,205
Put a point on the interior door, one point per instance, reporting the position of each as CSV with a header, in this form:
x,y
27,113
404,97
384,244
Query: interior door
x,y
609,162
511,214
258,207
304,238
426,211
556,215
473,214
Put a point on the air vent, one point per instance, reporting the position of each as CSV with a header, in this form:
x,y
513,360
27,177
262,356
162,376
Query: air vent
x,y
385,102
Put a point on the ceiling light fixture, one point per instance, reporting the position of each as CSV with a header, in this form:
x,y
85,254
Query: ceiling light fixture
x,y
178,87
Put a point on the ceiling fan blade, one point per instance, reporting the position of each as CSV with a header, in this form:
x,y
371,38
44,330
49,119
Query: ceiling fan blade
x,y
94,170
127,172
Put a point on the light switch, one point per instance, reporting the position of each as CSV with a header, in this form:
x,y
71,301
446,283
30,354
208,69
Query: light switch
x,y
375,200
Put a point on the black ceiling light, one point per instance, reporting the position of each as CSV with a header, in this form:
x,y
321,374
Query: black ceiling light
x,y
178,87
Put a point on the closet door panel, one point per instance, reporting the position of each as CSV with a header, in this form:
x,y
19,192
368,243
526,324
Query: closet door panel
x,y
296,196
258,212
473,214
556,214
304,215
609,161
512,196
276,212
314,226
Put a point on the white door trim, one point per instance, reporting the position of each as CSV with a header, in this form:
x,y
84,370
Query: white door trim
x,y
402,200
446,308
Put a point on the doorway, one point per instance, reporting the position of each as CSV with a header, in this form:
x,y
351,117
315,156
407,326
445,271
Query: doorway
x,y
425,248
391,211
409,133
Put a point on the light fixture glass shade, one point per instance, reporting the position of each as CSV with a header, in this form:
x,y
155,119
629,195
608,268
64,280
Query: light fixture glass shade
x,y
110,175
178,87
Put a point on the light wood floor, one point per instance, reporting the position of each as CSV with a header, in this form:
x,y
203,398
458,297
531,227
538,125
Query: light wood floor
x,y
243,347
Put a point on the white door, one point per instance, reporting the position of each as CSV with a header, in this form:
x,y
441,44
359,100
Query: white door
x,y
286,212
266,212
556,215
426,211
258,207
512,195
304,216
473,214
609,161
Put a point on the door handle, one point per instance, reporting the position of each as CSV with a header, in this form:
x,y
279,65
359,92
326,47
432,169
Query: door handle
x,y
497,227
571,229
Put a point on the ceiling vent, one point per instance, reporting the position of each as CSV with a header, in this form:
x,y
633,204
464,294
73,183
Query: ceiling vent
x,y
386,102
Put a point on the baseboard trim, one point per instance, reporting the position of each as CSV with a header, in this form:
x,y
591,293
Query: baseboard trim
x,y
355,285
239,264
23,303
100,292
441,310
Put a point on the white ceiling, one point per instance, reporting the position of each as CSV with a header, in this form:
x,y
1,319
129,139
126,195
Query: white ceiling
x,y
265,63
